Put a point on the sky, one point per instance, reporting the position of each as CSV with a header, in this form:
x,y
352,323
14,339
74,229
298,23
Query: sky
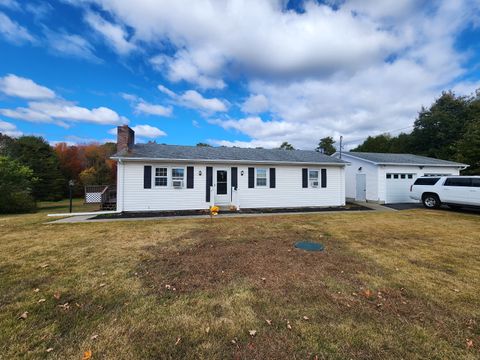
x,y
236,73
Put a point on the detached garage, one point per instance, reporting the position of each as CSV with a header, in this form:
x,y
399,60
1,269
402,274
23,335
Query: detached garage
x,y
386,178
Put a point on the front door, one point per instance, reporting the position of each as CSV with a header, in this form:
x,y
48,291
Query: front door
x,y
361,187
222,190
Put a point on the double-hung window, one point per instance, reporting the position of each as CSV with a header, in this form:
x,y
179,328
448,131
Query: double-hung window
x,y
161,177
261,177
313,178
178,176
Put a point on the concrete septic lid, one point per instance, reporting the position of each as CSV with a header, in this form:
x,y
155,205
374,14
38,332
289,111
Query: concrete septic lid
x,y
309,246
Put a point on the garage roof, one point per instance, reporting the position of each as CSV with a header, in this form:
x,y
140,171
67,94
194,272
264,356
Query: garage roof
x,y
154,151
402,159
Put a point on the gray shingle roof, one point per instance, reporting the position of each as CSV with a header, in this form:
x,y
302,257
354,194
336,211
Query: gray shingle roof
x,y
199,153
386,158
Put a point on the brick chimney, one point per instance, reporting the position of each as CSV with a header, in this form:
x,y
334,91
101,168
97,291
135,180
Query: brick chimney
x,y
125,138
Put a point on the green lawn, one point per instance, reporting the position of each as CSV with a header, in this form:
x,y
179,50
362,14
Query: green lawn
x,y
388,286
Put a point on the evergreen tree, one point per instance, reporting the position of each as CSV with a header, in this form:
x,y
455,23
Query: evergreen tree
x,y
286,146
35,153
325,146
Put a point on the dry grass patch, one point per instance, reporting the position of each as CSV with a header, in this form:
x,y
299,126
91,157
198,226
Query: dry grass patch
x,y
392,285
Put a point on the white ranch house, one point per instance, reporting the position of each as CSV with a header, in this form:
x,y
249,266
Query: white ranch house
x,y
386,178
155,177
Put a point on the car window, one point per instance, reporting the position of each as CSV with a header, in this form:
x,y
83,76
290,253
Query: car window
x,y
426,181
459,181
475,182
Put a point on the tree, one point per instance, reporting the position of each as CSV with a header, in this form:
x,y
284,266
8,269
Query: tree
x,y
469,148
379,143
325,146
35,153
286,146
89,176
200,144
439,127
16,182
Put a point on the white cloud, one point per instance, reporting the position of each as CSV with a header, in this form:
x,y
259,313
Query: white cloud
x,y
17,86
70,45
194,100
153,109
255,104
143,131
115,35
166,91
62,112
13,32
9,129
141,106
10,4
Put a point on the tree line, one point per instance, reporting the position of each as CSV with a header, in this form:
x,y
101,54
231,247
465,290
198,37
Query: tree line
x,y
32,170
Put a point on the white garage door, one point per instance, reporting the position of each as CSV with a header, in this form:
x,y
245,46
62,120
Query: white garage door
x,y
398,187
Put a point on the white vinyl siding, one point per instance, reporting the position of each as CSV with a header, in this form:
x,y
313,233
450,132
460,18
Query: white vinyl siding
x,y
381,178
287,193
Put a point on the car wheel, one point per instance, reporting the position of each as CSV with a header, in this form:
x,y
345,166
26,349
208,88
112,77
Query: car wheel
x,y
431,201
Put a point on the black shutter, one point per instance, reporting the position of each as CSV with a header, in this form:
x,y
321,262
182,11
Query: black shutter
x,y
251,178
272,178
324,178
304,178
189,177
209,183
235,178
147,177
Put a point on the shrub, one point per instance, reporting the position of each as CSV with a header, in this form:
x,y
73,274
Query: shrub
x,y
16,182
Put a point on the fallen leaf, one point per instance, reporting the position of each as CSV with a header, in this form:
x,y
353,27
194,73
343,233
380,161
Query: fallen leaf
x,y
469,343
24,315
178,340
57,295
252,332
207,330
456,290
263,279
36,290
87,355
93,337
42,300
269,322
233,341
368,293
102,284
289,327
49,350
65,306
306,318
43,266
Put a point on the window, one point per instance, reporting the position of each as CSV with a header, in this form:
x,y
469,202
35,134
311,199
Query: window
x,y
458,182
178,175
313,178
389,176
395,176
161,177
426,181
410,176
476,182
402,176
261,177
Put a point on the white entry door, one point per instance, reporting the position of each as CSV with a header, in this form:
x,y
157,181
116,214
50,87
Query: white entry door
x,y
361,187
222,189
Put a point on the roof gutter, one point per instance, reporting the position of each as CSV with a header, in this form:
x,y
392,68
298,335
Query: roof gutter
x,y
210,161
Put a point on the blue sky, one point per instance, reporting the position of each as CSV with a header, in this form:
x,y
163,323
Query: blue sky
x,y
244,73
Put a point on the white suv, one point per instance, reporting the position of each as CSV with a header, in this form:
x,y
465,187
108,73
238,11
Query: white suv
x,y
454,191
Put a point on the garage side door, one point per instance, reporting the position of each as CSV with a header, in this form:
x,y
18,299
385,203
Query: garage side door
x,y
398,187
